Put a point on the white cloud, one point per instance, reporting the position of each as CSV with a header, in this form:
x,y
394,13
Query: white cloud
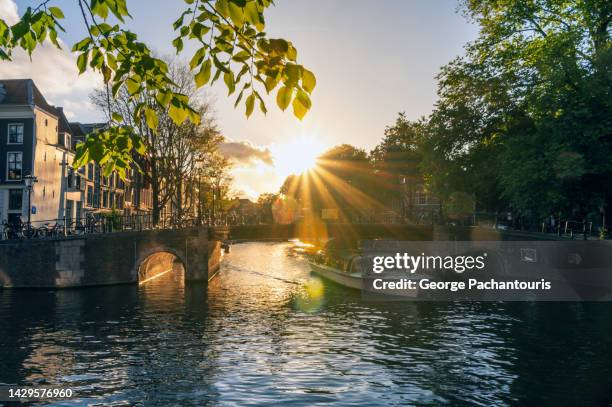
x,y
246,154
53,70
8,11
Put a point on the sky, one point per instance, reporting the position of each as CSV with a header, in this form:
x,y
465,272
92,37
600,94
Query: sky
x,y
372,60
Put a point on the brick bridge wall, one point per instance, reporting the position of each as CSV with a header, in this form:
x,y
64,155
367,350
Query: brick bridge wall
x,y
115,258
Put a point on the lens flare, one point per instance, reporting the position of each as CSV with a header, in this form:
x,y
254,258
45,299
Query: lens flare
x,y
311,296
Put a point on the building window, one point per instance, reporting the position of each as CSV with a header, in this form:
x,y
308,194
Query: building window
x,y
70,181
14,166
90,172
15,199
96,198
89,196
15,133
105,199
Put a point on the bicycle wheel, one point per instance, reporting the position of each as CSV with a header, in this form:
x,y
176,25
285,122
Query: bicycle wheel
x,y
77,228
43,232
29,232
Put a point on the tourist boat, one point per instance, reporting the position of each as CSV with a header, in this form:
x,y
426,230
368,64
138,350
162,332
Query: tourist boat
x,y
348,277
342,263
338,260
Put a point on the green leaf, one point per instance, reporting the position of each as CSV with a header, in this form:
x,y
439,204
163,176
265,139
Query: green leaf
x,y
96,150
236,14
241,56
262,105
56,12
53,38
279,46
82,62
151,118
309,81
99,8
106,73
222,7
117,117
292,53
293,72
271,82
199,30
219,65
197,58
177,113
301,105
228,78
163,98
239,98
203,76
194,116
250,104
283,97
252,15
139,146
178,44
133,86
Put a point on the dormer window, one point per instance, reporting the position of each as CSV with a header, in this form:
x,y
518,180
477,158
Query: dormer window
x,y
65,139
15,133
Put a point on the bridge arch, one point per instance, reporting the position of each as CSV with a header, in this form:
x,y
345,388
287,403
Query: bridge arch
x,y
157,262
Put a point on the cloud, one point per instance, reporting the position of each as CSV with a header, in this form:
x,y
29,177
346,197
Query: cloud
x,y
53,70
245,191
243,152
8,11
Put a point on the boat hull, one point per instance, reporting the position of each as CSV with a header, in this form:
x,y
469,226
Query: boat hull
x,y
346,279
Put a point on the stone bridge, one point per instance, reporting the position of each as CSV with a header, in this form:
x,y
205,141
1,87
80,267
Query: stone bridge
x,y
113,258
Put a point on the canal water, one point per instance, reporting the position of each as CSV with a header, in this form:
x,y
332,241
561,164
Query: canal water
x,y
266,333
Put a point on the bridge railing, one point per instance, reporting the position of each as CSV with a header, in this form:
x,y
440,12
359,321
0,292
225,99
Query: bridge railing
x,y
93,224
98,223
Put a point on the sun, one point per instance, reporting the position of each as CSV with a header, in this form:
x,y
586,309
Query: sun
x,y
296,156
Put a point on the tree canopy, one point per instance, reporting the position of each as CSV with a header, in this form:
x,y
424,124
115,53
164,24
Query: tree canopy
x,y
232,45
524,118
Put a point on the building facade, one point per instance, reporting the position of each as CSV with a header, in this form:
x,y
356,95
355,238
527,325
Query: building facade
x,y
37,140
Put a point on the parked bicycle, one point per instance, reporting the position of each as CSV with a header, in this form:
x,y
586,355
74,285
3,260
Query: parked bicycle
x,y
18,230
92,224
51,231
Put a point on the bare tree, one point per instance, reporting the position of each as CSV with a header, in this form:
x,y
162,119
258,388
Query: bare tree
x,y
176,155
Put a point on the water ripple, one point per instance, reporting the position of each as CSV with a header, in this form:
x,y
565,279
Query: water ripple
x,y
248,340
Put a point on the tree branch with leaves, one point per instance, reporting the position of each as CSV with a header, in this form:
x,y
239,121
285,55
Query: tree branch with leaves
x,y
231,43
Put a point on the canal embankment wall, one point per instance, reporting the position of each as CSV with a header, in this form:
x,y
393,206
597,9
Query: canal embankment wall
x,y
106,259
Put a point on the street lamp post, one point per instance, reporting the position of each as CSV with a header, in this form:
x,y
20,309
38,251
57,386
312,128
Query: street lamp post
x,y
29,183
